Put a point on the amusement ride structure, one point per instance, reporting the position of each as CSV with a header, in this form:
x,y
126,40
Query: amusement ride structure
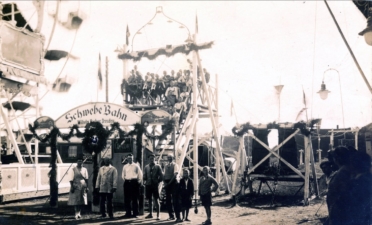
x,y
159,115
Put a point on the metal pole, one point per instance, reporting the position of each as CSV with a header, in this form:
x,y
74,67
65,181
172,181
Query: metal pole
x,y
348,47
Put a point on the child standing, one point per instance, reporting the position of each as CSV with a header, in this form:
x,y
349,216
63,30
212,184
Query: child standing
x,y
187,192
205,192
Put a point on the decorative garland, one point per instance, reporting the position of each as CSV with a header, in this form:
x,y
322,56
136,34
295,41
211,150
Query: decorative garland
x,y
306,129
186,49
52,139
273,125
241,130
95,137
116,126
94,141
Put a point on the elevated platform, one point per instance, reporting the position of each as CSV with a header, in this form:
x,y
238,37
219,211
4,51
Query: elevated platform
x,y
143,107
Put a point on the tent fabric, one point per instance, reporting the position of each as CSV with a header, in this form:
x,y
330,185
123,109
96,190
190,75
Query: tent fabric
x,y
230,144
168,51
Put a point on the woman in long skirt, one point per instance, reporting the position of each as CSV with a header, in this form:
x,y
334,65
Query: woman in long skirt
x,y
79,188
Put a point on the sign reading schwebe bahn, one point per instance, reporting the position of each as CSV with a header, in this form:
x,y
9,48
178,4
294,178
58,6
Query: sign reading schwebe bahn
x,y
105,113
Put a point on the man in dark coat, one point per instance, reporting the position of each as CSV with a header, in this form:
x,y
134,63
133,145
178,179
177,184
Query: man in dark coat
x,y
339,190
361,191
186,189
152,177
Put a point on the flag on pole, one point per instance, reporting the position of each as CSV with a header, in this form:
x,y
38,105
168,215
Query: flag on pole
x,y
127,36
196,25
99,72
304,101
299,115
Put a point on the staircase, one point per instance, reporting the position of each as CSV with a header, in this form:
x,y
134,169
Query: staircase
x,y
177,143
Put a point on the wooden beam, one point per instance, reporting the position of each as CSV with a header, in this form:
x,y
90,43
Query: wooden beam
x,y
307,170
214,126
315,180
11,136
272,151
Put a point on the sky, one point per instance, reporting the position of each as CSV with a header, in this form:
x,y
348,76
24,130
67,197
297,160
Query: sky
x,y
257,45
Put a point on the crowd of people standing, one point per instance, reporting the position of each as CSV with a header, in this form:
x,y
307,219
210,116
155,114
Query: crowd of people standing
x,y
179,188
349,180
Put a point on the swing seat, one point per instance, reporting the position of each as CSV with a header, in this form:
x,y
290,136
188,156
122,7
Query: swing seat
x,y
62,84
74,20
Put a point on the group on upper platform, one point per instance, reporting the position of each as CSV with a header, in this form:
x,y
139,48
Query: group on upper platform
x,y
157,90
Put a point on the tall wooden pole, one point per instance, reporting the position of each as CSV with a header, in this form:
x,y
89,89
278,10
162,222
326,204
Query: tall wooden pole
x,y
237,166
218,158
312,161
37,106
307,170
195,114
107,95
125,67
214,126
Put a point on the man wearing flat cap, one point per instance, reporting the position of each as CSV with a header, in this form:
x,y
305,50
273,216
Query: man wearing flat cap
x,y
152,177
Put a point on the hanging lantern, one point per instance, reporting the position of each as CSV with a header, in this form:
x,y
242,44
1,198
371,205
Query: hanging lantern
x,y
323,92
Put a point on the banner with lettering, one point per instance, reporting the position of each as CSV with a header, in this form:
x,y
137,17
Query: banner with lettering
x,y
103,112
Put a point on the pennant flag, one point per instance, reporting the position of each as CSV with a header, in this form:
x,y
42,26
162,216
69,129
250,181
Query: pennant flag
x,y
99,72
305,108
300,114
196,25
127,36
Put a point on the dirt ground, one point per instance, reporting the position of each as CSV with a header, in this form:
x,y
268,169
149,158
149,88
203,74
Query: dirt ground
x,y
252,209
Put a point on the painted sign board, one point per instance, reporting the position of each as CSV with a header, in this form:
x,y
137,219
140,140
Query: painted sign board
x,y
21,48
156,116
103,112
